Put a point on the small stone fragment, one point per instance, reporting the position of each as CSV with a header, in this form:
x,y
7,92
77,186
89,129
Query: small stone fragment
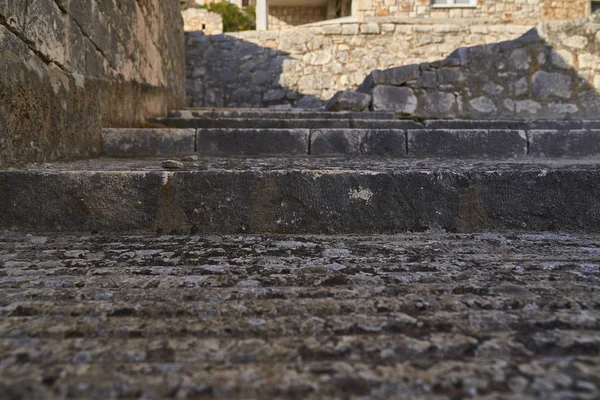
x,y
171,164
349,101
189,158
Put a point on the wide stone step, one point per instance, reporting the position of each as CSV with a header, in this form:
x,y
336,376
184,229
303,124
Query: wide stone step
x,y
431,142
261,113
302,316
324,195
292,123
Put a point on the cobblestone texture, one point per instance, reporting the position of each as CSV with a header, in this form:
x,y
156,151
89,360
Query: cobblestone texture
x,y
436,316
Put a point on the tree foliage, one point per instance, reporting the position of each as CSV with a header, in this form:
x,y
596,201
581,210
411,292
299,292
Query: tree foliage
x,y
234,18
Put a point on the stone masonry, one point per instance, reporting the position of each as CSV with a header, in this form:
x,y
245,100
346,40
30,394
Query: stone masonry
x,y
73,67
200,19
260,69
552,72
522,11
286,17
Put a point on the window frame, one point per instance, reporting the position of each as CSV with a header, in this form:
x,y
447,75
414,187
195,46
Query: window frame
x,y
451,4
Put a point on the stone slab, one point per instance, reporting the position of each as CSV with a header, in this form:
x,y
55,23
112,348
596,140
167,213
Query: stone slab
x,y
278,123
272,114
86,311
318,195
252,142
256,123
467,143
512,125
147,142
355,142
574,143
349,101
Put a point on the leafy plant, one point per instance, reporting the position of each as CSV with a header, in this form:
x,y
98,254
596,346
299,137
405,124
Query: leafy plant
x,y
234,18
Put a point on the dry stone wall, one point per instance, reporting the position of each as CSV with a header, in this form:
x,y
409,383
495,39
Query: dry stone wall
x,y
308,65
72,67
287,17
522,11
200,19
552,72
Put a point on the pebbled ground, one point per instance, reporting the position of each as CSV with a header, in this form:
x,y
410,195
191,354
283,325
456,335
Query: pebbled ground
x,y
419,316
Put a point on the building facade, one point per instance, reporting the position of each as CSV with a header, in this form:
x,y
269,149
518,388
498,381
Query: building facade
x,y
280,14
284,14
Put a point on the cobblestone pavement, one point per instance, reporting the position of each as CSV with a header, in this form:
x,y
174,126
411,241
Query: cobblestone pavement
x,y
420,316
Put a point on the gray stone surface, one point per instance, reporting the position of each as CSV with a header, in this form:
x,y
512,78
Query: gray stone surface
x,y
573,143
252,142
510,316
391,98
292,195
400,75
352,142
147,142
72,68
551,85
349,101
280,123
548,73
192,113
467,143
258,123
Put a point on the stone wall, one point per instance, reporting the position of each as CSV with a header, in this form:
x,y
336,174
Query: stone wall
x,y
259,69
521,11
202,20
70,68
287,17
552,72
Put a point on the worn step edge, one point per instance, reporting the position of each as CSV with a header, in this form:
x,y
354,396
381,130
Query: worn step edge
x,y
456,143
284,114
456,198
277,123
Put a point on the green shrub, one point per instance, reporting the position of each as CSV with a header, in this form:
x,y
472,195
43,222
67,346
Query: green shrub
x,y
234,18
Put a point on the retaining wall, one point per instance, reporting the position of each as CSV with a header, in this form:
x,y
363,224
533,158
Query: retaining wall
x,y
552,72
260,69
70,68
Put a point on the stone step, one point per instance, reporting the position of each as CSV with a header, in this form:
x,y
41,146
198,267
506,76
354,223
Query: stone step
x,y
431,142
175,316
261,119
293,123
262,113
291,195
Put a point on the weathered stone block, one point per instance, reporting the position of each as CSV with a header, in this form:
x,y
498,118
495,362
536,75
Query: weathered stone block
x,y
349,101
547,85
393,98
520,60
467,143
437,104
400,75
252,142
450,75
147,142
483,105
373,142
564,143
428,80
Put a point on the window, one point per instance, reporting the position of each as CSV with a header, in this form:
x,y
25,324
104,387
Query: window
x,y
595,6
453,3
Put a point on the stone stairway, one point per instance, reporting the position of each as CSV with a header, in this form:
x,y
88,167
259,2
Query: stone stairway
x,y
288,254
282,171
257,132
